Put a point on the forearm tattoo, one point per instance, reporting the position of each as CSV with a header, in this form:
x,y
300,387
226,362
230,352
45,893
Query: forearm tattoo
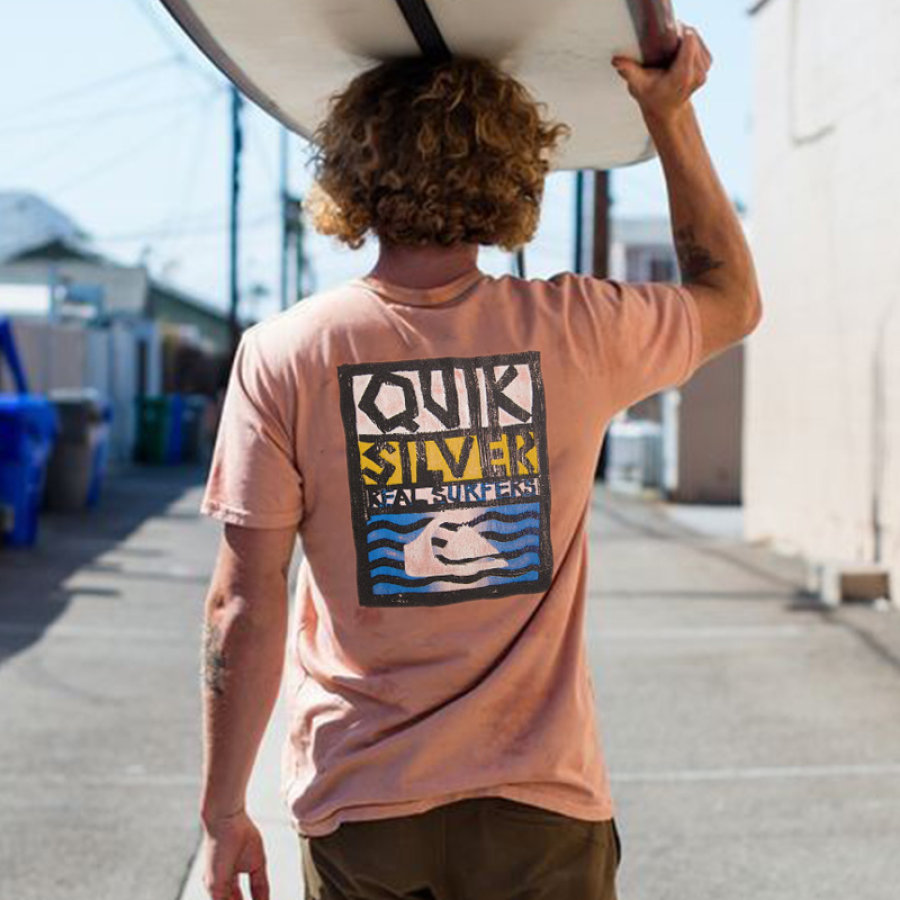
x,y
213,659
693,258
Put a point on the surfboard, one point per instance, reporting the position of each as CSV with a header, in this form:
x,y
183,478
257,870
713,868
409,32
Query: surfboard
x,y
288,56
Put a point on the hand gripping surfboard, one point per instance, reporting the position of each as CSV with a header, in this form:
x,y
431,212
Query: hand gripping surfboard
x,y
288,56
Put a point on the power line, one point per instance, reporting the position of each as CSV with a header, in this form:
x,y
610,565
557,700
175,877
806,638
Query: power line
x,y
164,234
38,106
61,145
113,113
180,209
210,217
262,155
127,153
165,36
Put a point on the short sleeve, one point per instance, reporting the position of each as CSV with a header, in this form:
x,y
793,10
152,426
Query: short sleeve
x,y
254,479
649,336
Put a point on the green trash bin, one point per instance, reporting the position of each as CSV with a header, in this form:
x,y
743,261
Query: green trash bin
x,y
153,427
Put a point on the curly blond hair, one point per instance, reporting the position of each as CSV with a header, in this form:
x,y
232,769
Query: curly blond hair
x,y
423,152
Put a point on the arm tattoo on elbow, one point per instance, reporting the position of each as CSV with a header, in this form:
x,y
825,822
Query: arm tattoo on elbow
x,y
213,659
693,258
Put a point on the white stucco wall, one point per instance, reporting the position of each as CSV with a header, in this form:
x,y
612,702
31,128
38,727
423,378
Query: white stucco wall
x,y
822,427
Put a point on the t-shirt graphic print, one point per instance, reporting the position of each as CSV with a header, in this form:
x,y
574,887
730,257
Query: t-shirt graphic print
x,y
449,483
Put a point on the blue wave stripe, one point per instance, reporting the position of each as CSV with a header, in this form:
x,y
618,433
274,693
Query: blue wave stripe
x,y
386,553
527,540
513,508
528,576
391,575
529,558
402,527
393,535
398,518
492,524
387,589
509,556
510,542
406,518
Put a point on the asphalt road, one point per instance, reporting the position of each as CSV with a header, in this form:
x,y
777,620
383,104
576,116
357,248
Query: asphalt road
x,y
753,738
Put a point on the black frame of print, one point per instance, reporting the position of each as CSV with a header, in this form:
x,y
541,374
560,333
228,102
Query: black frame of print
x,y
536,487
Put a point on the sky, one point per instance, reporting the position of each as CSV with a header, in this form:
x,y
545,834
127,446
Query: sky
x,y
110,113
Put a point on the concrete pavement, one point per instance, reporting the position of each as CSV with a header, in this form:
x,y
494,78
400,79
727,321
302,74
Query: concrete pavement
x,y
99,686
753,739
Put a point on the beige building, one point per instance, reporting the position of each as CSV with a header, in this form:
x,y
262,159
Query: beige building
x,y
692,435
822,428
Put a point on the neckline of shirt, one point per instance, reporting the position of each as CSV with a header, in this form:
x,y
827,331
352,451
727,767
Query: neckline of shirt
x,y
441,293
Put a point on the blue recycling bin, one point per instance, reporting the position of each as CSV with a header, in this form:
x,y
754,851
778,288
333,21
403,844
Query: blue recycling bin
x,y
28,428
101,455
175,436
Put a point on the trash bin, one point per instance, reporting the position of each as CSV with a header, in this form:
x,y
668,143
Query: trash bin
x,y
152,429
75,471
101,455
169,428
192,427
175,433
28,428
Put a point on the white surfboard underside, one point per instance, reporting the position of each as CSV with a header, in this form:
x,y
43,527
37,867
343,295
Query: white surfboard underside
x,y
291,55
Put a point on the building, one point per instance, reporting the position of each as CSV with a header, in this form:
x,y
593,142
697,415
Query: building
x,y
822,451
84,320
692,434
41,246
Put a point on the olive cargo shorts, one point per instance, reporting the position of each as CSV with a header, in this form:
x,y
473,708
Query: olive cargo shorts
x,y
480,848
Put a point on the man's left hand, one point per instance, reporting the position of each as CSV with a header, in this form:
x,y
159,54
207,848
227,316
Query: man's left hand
x,y
232,845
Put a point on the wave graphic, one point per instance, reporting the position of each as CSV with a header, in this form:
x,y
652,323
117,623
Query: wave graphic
x,y
456,546
391,577
388,565
391,524
386,589
503,536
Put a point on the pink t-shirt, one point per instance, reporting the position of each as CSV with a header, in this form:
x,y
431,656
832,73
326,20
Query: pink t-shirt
x,y
436,450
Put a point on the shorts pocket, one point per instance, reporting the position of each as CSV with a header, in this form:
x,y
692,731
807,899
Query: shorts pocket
x,y
618,840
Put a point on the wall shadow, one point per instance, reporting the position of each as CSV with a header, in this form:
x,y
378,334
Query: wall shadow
x,y
32,592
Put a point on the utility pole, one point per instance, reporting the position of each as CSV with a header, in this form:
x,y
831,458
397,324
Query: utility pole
x,y
292,213
300,248
600,243
579,222
285,226
592,256
520,262
236,150
599,252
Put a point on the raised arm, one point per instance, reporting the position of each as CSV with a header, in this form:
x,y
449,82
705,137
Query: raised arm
x,y
716,264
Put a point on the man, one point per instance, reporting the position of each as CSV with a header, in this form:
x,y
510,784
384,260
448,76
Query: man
x,y
432,433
